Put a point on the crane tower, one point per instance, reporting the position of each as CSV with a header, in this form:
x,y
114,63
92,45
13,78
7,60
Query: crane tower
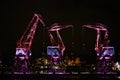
x,y
23,51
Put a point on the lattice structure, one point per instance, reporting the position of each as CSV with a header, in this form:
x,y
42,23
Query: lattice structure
x,y
23,52
103,50
57,48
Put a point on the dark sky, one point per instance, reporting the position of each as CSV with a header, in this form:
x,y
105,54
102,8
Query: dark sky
x,y
15,16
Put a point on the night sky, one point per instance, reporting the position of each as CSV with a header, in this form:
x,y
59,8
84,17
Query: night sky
x,y
15,16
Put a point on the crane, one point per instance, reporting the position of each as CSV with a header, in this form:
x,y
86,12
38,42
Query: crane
x,y
24,44
56,27
98,27
105,52
57,46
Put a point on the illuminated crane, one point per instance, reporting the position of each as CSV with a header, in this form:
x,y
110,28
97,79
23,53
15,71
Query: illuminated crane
x,y
55,28
105,52
24,44
98,27
57,48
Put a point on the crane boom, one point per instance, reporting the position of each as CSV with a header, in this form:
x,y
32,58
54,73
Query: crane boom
x,y
98,27
27,37
23,52
55,28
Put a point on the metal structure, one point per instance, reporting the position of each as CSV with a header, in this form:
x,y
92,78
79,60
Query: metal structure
x,y
104,51
23,52
98,27
56,28
57,45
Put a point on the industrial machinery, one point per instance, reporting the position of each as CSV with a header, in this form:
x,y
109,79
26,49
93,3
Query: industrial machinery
x,y
104,52
57,48
23,52
98,27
